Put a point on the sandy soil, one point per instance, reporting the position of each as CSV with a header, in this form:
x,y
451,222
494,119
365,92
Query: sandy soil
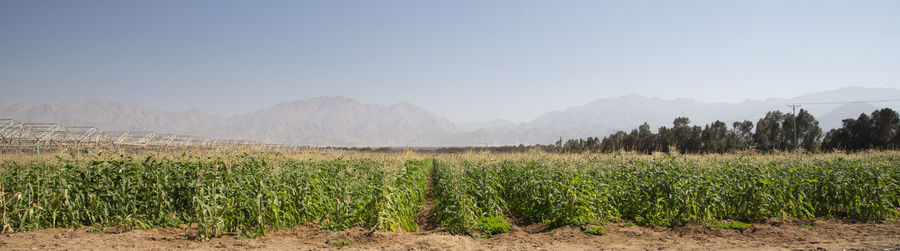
x,y
770,234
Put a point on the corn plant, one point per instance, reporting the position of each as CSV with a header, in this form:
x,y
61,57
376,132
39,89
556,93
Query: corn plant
x,y
242,194
253,194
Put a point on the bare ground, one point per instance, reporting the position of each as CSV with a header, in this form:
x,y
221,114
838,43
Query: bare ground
x,y
769,234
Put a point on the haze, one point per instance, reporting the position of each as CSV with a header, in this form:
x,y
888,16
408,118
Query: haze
x,y
465,61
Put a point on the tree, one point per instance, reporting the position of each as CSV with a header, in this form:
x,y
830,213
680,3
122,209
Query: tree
x,y
714,137
646,139
592,144
769,135
885,123
685,136
865,132
742,135
613,142
862,133
896,141
664,139
808,131
839,138
786,137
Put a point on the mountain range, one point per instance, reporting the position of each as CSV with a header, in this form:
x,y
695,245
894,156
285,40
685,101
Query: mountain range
x,y
341,121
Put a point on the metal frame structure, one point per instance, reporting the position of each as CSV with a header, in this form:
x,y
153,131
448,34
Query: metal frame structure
x,y
22,137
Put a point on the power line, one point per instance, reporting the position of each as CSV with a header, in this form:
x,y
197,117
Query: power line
x,y
849,102
794,107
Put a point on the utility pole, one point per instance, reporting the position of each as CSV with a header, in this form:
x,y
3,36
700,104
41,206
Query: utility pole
x,y
559,145
794,110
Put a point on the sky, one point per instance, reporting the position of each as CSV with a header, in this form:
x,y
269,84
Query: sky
x,y
462,60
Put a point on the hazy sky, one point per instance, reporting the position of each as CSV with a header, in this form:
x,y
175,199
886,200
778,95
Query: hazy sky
x,y
464,60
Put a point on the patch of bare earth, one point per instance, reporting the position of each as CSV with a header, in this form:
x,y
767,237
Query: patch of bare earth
x,y
769,234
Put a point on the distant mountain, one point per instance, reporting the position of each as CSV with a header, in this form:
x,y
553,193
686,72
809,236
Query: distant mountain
x,y
335,121
855,93
338,121
477,125
835,117
605,116
114,116
341,121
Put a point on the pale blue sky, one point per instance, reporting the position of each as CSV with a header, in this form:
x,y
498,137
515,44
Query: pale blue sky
x,y
464,60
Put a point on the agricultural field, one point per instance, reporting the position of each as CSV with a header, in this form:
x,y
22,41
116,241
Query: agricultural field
x,y
454,201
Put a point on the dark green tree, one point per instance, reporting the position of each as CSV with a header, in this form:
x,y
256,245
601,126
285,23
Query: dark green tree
x,y
742,135
839,138
685,137
862,133
865,132
885,123
664,139
646,139
613,142
769,132
714,138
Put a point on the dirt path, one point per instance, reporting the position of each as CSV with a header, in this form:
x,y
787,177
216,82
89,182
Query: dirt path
x,y
427,218
827,234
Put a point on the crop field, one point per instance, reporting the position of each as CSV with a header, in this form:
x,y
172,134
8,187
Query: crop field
x,y
475,194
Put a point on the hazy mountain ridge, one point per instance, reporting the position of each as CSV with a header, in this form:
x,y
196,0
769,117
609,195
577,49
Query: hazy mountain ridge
x,y
318,121
601,117
477,125
346,122
113,116
338,121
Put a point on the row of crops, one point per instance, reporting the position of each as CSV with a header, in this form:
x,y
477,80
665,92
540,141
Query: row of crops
x,y
484,196
246,195
254,194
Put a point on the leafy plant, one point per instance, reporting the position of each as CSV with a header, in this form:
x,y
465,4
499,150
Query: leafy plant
x,y
732,225
595,230
492,225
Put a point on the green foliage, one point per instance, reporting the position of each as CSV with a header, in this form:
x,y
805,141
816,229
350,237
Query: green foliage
x,y
881,130
243,193
668,191
493,225
732,225
468,196
563,193
453,207
253,195
595,230
776,131
403,199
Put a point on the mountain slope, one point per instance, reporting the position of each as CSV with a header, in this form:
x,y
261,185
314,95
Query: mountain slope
x,y
834,118
113,116
605,116
338,121
341,121
334,121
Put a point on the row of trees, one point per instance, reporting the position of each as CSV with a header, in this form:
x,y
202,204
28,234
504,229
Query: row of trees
x,y
879,131
776,131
